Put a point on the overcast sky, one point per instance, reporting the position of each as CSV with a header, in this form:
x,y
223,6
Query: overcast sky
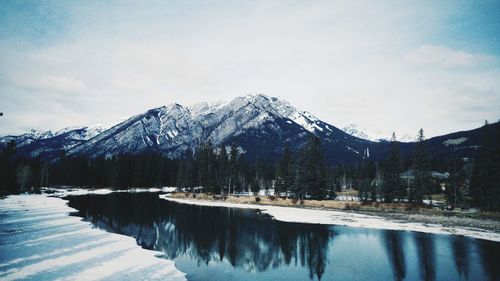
x,y
385,66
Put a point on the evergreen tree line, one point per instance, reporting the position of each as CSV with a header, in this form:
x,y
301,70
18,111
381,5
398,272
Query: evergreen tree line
x,y
300,174
212,170
485,183
410,180
392,179
121,171
304,173
219,171
420,183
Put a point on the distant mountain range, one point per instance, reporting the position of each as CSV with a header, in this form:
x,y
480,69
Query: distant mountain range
x,y
260,125
354,130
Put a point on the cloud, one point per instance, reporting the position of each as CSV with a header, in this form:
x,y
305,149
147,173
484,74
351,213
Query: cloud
x,y
344,62
61,84
431,55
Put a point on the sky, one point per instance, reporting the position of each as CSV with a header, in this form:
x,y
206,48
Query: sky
x,y
382,65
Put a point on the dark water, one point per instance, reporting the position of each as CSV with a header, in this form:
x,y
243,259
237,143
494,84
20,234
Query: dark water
x,y
211,243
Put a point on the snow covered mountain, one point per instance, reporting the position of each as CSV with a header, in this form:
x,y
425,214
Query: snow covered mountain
x,y
26,138
260,125
354,130
48,144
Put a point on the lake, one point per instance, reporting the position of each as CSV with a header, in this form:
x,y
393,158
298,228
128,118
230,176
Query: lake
x,y
215,243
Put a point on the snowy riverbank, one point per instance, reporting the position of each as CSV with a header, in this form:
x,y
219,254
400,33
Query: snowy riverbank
x,y
302,215
39,240
69,191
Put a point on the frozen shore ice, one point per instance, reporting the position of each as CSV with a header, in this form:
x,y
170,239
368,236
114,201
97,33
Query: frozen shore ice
x,y
40,241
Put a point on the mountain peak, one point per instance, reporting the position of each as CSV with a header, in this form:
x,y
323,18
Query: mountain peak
x,y
173,107
263,98
204,108
158,109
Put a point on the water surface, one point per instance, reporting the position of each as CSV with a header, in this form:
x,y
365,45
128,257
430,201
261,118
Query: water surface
x,y
215,243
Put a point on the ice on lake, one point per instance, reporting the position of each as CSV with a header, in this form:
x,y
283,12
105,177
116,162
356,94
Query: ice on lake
x,y
40,241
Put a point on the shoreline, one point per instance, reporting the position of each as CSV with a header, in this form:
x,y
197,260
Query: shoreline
x,y
46,242
425,223
392,217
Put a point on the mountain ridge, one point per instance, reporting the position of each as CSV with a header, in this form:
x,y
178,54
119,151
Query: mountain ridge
x,y
260,125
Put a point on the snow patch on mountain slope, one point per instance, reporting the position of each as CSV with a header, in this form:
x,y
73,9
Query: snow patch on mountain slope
x,y
352,149
354,130
453,142
36,134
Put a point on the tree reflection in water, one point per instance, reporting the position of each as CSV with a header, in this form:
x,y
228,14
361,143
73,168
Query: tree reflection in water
x,y
460,253
393,242
426,256
245,238
243,244
489,259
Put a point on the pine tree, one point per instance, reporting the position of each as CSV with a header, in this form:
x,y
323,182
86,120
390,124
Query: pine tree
x,y
453,192
222,170
255,187
285,177
206,167
184,178
422,183
24,173
298,188
331,185
364,190
233,169
485,183
392,187
313,170
7,171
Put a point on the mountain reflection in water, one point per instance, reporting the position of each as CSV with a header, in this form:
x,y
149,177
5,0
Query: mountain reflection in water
x,y
214,243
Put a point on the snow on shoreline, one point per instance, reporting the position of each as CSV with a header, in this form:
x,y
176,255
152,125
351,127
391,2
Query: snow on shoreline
x,y
302,215
61,192
40,240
